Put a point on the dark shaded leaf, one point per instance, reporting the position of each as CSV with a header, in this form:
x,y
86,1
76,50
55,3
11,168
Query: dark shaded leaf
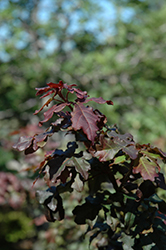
x,y
84,212
58,162
147,188
52,202
160,180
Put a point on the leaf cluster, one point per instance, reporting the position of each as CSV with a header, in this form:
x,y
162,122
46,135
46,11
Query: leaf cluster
x,y
121,176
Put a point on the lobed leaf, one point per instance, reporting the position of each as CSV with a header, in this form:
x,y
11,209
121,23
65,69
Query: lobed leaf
x,y
54,109
110,145
23,143
99,100
86,211
146,168
77,184
106,150
84,118
81,166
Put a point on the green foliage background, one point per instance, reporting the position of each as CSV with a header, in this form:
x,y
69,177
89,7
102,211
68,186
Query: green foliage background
x,y
119,56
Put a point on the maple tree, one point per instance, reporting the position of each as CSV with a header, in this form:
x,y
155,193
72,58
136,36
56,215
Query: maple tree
x,y
118,177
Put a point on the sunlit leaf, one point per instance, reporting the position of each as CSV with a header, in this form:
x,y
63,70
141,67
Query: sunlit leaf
x,y
23,143
99,100
147,169
54,109
77,184
81,166
84,118
106,150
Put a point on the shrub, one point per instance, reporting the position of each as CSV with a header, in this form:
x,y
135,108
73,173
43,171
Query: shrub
x,y
118,177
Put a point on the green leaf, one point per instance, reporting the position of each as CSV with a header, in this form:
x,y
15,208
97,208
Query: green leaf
x,y
120,159
129,220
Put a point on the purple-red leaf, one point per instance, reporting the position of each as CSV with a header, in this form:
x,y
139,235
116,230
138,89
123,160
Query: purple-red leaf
x,y
54,109
99,100
48,93
84,118
81,95
45,104
147,169
55,85
40,91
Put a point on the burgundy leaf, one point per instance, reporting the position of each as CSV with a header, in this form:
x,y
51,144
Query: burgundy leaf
x,y
69,87
147,169
54,109
131,151
99,100
55,85
51,85
45,104
40,91
84,118
40,140
80,94
48,93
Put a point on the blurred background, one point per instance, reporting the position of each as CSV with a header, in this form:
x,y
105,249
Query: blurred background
x,y
111,48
